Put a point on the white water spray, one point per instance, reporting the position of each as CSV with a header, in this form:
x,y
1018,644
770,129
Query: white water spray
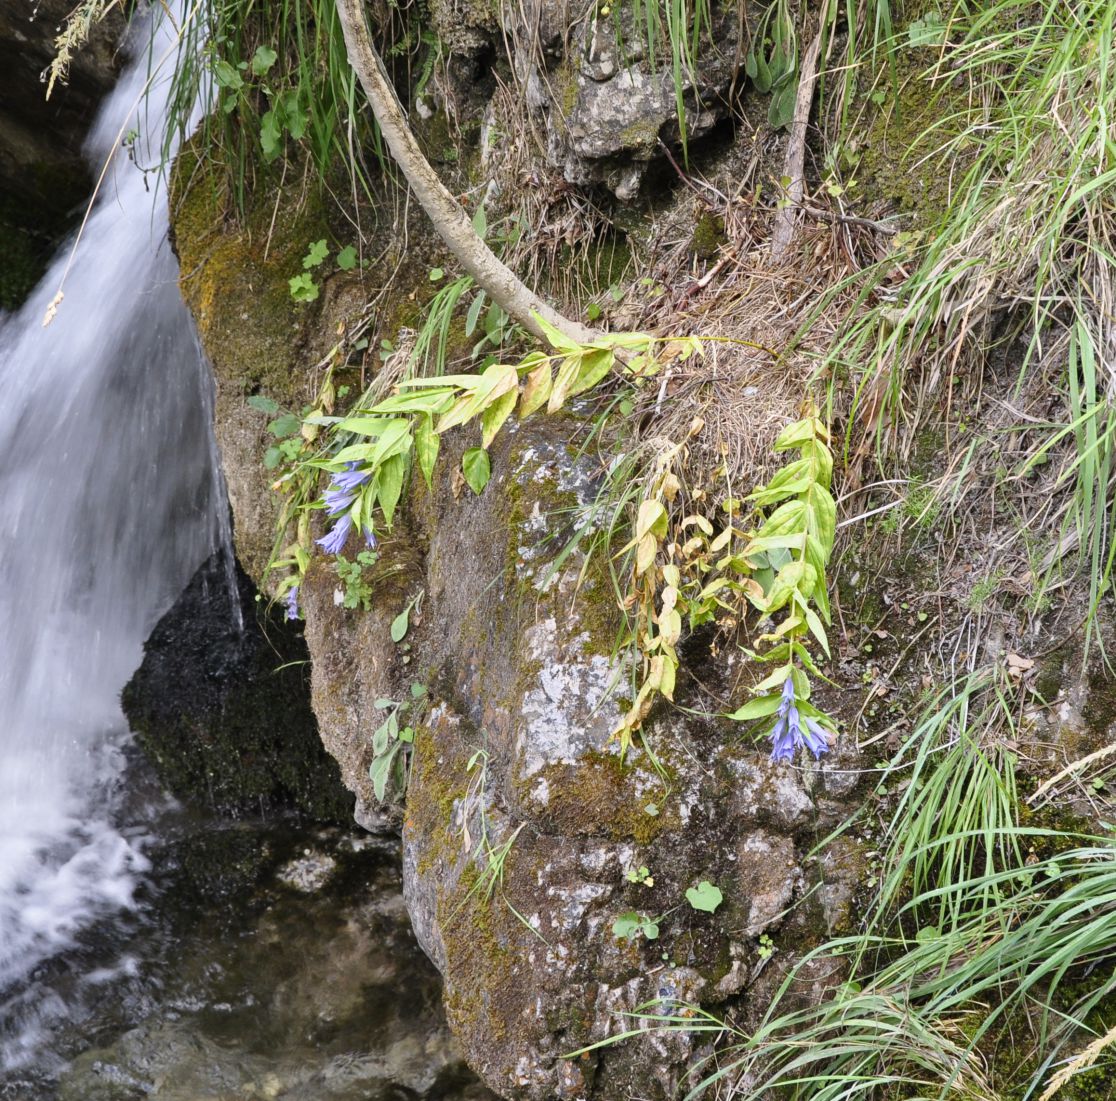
x,y
108,503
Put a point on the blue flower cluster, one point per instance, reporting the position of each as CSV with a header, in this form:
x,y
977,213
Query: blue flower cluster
x,y
793,730
339,495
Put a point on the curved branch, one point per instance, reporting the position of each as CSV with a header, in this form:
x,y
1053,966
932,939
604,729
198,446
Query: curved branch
x,y
447,215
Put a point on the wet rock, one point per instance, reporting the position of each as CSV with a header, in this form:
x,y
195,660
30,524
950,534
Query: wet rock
x,y
309,872
221,704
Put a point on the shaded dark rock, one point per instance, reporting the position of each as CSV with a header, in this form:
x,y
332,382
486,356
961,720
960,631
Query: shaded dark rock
x,y
224,712
44,178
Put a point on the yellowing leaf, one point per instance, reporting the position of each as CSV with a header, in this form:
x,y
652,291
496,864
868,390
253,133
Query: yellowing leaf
x,y
652,518
563,380
645,553
493,417
670,627
536,390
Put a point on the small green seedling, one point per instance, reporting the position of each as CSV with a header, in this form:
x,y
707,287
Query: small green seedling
x,y
640,875
631,925
390,739
704,897
401,624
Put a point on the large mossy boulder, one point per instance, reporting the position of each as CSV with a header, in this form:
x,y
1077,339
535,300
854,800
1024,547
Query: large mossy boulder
x,y
521,820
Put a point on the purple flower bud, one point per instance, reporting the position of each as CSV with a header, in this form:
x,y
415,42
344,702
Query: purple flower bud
x,y
334,542
351,477
814,739
370,538
292,603
337,500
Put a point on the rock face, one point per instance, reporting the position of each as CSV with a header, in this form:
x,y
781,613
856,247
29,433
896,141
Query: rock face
x,y
220,704
606,87
603,83
43,176
521,821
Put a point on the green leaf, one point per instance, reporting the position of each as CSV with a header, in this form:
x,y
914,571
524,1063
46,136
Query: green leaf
x,y
792,479
594,367
816,628
303,287
364,426
263,59
418,690
227,76
477,469
480,222
317,252
427,401
627,925
557,340
272,457
927,31
762,78
263,404
347,258
295,116
704,897
389,485
380,771
395,439
755,709
286,425
651,809
400,624
427,443
798,433
380,740
271,139
780,113
436,274
473,316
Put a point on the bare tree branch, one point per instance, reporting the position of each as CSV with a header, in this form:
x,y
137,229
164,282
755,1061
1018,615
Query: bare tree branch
x,y
446,214
793,168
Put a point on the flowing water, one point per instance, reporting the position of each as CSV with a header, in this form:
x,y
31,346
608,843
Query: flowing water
x,y
108,502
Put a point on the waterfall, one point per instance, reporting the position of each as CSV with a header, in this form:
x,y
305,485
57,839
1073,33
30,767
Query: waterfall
x,y
109,500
